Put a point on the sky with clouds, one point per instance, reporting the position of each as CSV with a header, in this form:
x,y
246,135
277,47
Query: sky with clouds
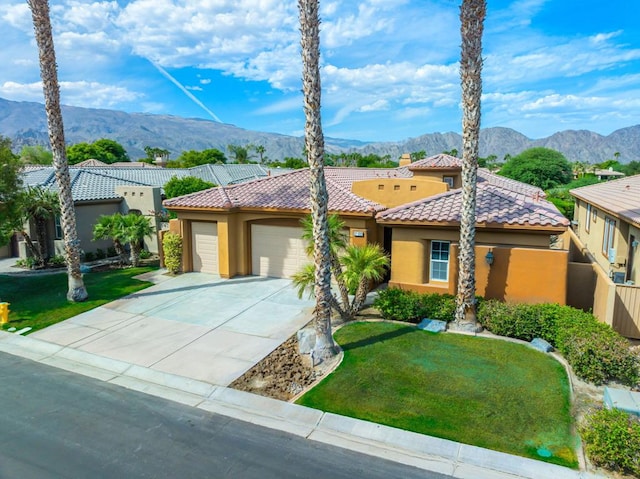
x,y
389,67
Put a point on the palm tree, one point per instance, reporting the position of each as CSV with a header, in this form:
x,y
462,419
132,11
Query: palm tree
x,y
354,268
136,228
111,227
40,205
314,145
49,75
472,14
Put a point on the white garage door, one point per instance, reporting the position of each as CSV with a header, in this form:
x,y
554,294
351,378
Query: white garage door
x,y
277,251
204,244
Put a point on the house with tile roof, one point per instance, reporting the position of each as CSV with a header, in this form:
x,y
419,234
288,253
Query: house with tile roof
x,y
605,256
101,189
413,211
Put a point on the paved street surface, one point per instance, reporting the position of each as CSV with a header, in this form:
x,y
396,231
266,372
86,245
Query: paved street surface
x,y
55,424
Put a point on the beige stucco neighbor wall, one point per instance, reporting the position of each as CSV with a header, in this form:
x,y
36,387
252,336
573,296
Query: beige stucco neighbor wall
x,y
519,273
87,215
147,200
392,192
5,251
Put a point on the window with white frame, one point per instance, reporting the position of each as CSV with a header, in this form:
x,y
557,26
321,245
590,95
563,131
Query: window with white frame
x,y
587,223
609,234
439,264
58,227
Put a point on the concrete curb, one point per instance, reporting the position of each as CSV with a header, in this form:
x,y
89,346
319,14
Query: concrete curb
x,y
425,452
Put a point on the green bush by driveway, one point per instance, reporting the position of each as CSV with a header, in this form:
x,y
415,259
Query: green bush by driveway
x,y
489,393
39,301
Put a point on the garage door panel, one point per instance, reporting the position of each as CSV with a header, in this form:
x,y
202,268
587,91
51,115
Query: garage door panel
x,y
204,245
277,251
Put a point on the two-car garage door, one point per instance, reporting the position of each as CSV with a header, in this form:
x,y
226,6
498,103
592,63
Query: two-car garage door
x,y
277,250
204,245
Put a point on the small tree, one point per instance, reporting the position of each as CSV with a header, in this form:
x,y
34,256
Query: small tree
x,y
541,167
172,248
10,191
111,227
40,205
183,186
136,228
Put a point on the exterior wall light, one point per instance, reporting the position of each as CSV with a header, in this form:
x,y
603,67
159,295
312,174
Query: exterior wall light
x,y
489,257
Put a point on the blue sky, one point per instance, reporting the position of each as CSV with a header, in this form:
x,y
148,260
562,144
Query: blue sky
x,y
389,67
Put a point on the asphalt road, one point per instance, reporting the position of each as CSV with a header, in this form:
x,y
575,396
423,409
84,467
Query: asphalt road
x,y
55,424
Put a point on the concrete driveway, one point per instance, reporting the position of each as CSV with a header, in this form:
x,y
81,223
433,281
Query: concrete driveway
x,y
195,325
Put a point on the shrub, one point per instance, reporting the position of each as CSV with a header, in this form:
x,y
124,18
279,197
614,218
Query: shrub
x,y
612,440
595,351
521,321
28,262
404,305
145,254
172,248
398,304
57,260
111,252
89,256
100,254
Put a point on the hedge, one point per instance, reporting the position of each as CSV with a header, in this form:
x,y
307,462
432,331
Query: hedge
x,y
595,351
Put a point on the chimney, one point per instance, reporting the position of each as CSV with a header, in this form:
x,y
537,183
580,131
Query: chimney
x,y
405,159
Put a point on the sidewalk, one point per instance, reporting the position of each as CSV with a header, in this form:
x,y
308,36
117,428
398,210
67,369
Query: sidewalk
x,y
425,452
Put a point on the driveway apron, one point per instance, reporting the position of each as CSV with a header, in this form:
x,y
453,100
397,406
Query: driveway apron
x,y
195,325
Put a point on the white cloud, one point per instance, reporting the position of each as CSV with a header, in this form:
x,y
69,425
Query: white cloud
x,y
193,88
377,105
88,94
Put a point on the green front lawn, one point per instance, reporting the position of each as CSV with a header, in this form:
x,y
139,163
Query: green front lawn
x,y
39,301
485,392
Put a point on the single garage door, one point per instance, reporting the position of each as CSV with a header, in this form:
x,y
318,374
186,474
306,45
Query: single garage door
x,y
277,251
204,244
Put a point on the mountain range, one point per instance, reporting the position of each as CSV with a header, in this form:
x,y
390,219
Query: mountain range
x,y
25,124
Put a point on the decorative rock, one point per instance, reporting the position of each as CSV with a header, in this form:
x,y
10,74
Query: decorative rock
x,y
306,340
433,325
541,345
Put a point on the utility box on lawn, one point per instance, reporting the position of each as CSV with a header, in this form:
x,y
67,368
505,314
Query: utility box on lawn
x,y
4,313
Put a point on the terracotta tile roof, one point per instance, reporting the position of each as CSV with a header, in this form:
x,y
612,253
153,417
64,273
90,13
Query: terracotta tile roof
x,y
484,175
441,161
288,192
494,205
620,197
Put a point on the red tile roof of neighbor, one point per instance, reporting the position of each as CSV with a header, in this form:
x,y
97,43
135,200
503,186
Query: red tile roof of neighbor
x,y
500,200
620,197
441,161
288,191
494,205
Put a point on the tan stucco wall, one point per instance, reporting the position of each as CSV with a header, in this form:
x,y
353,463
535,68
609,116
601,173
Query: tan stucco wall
x,y
87,215
5,251
392,192
147,200
234,235
519,273
439,174
593,238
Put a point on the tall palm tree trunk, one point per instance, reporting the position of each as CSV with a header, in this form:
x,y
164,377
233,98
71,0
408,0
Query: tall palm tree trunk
x,y
49,75
472,14
314,143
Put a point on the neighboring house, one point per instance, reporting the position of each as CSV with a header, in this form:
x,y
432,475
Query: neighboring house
x,y
605,253
605,175
100,189
413,211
